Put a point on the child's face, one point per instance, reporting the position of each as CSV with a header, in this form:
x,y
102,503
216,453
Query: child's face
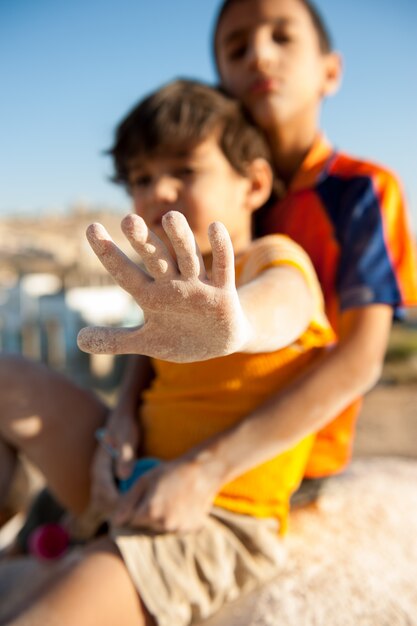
x,y
269,57
200,184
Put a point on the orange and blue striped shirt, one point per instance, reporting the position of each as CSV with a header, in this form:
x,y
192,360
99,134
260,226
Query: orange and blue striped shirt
x,y
350,217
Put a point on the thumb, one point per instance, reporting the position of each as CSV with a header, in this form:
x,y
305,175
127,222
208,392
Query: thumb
x,y
103,340
126,504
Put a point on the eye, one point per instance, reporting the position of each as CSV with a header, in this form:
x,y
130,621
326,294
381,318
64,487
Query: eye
x,y
281,37
185,171
141,181
237,51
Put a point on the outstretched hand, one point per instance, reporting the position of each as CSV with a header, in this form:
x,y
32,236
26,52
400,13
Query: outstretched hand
x,y
188,316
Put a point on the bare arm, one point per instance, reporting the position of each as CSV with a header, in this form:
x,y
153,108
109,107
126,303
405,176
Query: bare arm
x,y
190,316
346,372
278,306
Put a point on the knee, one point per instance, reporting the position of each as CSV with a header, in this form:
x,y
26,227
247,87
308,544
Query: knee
x,y
19,385
101,555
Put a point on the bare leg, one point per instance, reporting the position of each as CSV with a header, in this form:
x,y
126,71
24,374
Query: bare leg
x,y
94,588
52,421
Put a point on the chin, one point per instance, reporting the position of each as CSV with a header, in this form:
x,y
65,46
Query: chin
x,y
266,114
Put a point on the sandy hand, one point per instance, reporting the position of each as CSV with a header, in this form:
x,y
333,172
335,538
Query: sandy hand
x,y
188,316
174,496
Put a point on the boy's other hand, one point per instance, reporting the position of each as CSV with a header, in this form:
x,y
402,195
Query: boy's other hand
x,y
175,496
188,316
114,458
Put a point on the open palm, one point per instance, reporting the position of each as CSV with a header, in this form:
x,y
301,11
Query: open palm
x,y
188,316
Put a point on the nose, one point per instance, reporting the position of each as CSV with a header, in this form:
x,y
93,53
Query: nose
x,y
165,190
260,53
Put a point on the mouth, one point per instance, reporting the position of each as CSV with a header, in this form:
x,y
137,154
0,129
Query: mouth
x,y
156,222
264,85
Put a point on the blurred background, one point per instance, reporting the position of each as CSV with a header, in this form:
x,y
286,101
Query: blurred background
x,y
70,70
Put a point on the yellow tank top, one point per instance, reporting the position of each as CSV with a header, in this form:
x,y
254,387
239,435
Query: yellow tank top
x,y
189,402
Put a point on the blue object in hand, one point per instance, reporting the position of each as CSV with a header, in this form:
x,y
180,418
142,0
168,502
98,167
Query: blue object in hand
x,y
141,467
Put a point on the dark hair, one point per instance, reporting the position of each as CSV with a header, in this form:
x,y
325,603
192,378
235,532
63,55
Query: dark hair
x,y
323,33
176,118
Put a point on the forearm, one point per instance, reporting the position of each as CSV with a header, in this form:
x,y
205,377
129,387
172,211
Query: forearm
x,y
276,426
278,306
314,399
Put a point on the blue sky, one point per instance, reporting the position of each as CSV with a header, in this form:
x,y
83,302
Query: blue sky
x,y
69,70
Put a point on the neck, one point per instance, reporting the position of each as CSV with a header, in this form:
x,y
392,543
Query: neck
x,y
290,146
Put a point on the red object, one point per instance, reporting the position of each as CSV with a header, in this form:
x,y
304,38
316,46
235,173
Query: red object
x,y
48,542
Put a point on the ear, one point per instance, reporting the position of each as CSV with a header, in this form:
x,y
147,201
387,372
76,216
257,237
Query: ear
x,y
333,70
260,177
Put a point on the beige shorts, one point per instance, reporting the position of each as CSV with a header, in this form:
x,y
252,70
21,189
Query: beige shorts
x,y
184,578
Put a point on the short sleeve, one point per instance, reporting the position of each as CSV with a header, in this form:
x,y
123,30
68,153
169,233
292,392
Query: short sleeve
x,y
275,250
378,261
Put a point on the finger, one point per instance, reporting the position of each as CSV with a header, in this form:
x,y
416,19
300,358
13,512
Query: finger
x,y
125,462
140,518
106,496
107,441
223,266
189,259
102,340
156,258
124,271
104,489
127,504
